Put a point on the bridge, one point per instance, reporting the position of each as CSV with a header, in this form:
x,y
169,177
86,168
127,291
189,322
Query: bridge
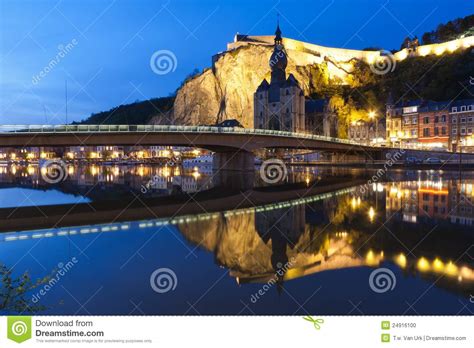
x,y
233,146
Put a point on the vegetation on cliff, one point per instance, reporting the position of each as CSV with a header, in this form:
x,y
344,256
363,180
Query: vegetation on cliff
x,y
450,31
433,77
140,112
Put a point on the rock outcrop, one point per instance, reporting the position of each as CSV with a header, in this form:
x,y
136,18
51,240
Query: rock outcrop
x,y
226,91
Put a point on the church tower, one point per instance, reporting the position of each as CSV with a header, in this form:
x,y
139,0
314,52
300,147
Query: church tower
x,y
280,104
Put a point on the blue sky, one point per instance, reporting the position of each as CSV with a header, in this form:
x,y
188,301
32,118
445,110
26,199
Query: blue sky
x,y
111,42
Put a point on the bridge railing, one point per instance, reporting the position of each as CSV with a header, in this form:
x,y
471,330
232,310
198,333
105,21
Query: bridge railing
x,y
8,129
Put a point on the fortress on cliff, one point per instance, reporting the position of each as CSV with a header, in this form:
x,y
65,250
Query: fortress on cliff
x,y
339,60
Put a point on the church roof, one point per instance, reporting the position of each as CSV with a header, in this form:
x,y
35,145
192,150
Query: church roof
x,y
291,81
263,86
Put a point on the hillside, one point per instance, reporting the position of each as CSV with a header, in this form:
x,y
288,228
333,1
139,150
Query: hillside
x,y
136,113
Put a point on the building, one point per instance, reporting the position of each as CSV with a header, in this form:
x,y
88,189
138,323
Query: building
x,y
433,125
461,114
402,123
281,104
367,132
320,118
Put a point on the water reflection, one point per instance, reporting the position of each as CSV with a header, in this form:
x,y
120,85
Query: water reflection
x,y
421,228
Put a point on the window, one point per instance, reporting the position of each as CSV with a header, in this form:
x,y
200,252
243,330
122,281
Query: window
x,y
470,107
463,108
413,132
469,120
414,120
287,92
426,197
443,130
426,132
454,109
443,118
407,120
455,119
469,131
426,120
436,119
463,120
436,131
287,110
463,131
455,131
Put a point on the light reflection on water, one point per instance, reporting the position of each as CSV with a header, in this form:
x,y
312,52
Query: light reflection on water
x,y
320,249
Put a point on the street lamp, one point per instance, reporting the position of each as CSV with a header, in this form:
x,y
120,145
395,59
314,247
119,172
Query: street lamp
x,y
373,116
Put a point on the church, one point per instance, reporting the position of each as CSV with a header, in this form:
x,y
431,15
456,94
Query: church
x,y
281,104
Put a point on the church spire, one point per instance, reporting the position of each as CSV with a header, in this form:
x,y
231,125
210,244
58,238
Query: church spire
x,y
278,59
278,39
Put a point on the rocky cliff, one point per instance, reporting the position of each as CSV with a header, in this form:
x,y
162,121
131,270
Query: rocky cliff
x,y
226,91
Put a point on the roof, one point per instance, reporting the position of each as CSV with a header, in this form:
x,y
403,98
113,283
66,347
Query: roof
x,y
434,106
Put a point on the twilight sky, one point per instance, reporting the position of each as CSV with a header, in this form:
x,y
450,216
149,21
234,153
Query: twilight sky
x,y
106,45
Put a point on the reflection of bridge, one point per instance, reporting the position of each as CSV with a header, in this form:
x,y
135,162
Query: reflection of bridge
x,y
232,145
114,211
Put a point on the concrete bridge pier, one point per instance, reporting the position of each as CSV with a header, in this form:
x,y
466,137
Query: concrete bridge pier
x,y
233,160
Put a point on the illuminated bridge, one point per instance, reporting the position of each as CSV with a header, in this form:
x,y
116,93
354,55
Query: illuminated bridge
x,y
233,146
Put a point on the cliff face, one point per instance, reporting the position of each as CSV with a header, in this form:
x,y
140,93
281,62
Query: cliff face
x,y
227,92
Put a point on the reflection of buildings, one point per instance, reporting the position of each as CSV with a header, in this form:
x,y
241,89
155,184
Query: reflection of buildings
x,y
283,227
431,199
150,178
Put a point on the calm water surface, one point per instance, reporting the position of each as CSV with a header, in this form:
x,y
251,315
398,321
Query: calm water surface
x,y
240,246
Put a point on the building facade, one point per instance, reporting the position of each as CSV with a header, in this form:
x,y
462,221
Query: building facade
x,y
281,104
461,113
447,125
367,132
